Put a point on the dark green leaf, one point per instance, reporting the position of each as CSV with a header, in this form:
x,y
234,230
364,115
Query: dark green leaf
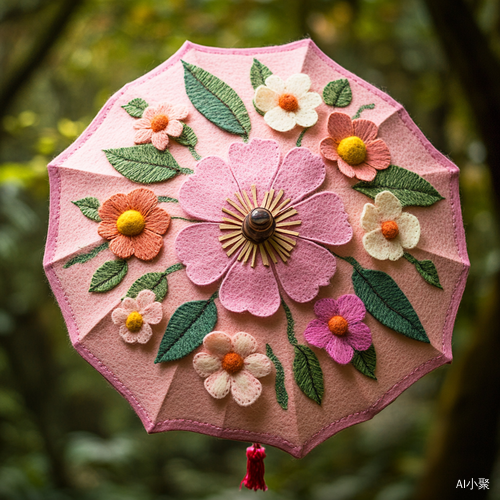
x,y
258,74
89,207
85,257
167,199
136,107
156,282
361,109
145,164
338,93
188,137
108,275
365,362
407,186
187,328
281,394
216,100
308,373
426,269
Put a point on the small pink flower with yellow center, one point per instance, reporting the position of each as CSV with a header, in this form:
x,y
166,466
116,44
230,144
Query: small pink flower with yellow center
x,y
136,315
389,229
231,364
159,122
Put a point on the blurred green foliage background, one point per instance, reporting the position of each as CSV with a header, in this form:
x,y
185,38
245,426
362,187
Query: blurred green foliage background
x,y
66,434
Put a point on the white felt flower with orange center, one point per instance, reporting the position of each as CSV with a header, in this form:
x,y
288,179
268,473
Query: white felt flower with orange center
x,y
159,122
287,104
136,315
231,364
389,230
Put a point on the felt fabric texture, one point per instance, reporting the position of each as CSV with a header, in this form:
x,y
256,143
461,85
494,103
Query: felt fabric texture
x,y
169,396
338,93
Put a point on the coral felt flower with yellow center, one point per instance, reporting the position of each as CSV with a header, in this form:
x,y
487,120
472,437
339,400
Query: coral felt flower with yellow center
x,y
231,364
134,224
159,122
389,229
136,315
289,103
354,146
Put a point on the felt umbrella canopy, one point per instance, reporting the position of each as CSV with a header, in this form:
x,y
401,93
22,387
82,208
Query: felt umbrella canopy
x,y
256,244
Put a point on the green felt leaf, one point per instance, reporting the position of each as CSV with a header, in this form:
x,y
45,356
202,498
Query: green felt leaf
x,y
365,361
156,282
89,207
361,109
407,186
145,164
308,373
187,328
109,275
338,93
386,302
258,74
85,257
188,137
216,100
279,385
290,323
426,269
136,107
167,199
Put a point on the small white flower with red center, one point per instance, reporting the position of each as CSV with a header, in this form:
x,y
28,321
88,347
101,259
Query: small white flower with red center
x,y
136,315
159,122
289,103
231,364
389,229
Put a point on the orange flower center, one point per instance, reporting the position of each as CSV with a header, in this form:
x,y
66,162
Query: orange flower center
x,y
288,102
134,322
159,123
390,229
232,362
130,223
338,325
352,150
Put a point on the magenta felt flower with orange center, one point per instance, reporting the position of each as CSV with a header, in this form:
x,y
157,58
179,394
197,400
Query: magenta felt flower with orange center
x,y
353,145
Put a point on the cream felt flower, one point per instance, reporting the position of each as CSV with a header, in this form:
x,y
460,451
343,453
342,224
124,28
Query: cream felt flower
x,y
388,229
159,122
231,364
289,103
136,315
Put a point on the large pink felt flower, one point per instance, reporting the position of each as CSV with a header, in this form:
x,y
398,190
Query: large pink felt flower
x,y
353,145
158,122
270,234
339,328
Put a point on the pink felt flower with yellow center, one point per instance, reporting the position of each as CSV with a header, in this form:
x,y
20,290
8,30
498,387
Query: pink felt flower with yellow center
x,y
339,328
135,317
159,122
262,225
354,146
231,364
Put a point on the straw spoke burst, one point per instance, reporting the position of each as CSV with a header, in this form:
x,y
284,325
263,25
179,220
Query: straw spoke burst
x,y
260,226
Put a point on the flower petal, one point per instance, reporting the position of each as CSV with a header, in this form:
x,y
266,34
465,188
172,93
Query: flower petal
x,y
309,267
143,136
378,155
300,174
317,333
245,388
143,124
130,305
359,336
174,128
127,335
366,130
244,344
204,193
328,148
205,364
144,334
310,100
339,126
160,140
364,172
346,169
119,315
298,84
158,221
144,299
351,308
265,98
218,384
324,219
122,246
149,113
153,313
199,249
143,200
147,245
217,343
253,290
380,247
370,218
339,350
280,120
113,207
107,229
389,207
325,309
173,111
306,117
274,82
258,365
409,230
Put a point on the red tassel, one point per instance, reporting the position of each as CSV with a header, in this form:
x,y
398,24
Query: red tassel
x,y
254,480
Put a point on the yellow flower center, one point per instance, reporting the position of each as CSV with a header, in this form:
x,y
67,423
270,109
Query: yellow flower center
x,y
159,123
288,102
134,322
232,362
130,223
352,150
338,325
390,229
